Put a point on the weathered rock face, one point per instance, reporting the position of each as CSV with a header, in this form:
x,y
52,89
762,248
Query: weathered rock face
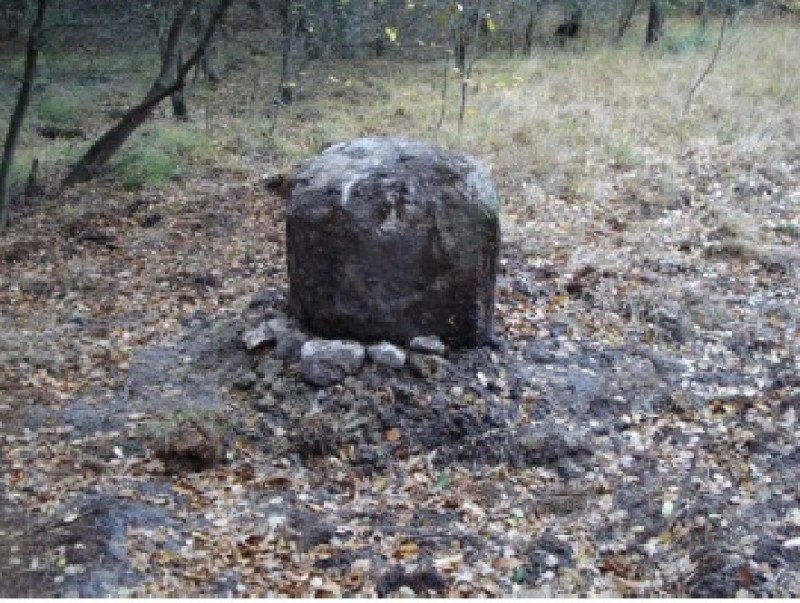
x,y
389,238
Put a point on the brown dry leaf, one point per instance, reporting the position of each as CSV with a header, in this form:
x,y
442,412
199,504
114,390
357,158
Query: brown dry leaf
x,y
392,435
406,549
277,480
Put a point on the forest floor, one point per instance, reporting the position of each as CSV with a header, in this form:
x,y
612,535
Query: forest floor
x,y
634,433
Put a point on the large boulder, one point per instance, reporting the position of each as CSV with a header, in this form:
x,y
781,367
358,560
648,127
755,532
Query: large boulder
x,y
388,239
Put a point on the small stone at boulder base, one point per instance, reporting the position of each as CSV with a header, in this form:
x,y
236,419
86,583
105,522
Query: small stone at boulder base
x,y
258,337
289,345
427,366
427,345
279,326
324,362
390,238
386,354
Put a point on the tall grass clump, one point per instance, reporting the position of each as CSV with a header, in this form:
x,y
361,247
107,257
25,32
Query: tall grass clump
x,y
161,153
60,110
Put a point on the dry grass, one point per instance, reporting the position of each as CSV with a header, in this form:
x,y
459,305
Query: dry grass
x,y
568,122
564,122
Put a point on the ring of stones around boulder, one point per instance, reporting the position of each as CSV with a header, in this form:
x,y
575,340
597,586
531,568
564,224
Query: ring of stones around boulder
x,y
388,238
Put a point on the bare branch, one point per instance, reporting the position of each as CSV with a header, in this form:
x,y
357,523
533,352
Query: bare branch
x,y
708,68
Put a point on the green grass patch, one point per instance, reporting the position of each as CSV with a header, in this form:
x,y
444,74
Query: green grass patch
x,y
141,166
685,44
20,169
60,110
185,143
161,154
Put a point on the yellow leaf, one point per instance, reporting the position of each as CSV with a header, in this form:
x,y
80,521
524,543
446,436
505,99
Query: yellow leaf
x,y
391,33
490,24
559,299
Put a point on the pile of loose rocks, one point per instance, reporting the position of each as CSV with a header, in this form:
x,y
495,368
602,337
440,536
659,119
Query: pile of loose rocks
x,y
325,362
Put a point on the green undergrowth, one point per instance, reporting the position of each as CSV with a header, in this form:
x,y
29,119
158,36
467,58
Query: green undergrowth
x,y
20,169
161,153
60,110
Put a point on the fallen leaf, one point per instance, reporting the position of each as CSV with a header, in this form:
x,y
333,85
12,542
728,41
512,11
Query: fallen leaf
x,y
392,435
407,549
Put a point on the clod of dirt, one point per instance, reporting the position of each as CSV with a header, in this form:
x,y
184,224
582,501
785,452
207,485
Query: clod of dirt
x,y
315,437
188,441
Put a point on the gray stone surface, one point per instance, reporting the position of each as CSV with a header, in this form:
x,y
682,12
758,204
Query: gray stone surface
x,y
386,354
324,362
389,238
427,345
427,366
269,369
258,337
289,346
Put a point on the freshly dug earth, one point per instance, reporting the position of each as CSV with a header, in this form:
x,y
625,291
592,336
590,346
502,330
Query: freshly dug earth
x,y
633,433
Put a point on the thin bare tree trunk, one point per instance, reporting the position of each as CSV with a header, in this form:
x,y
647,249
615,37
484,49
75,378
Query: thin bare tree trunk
x,y
285,94
446,65
655,23
165,84
703,16
179,108
708,68
15,123
626,18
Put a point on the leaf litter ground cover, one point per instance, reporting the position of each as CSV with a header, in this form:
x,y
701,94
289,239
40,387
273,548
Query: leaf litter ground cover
x,y
633,433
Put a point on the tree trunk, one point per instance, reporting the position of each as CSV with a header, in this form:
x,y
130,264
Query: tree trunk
x,y
15,123
703,12
529,36
207,62
287,33
626,18
655,23
165,84
179,109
